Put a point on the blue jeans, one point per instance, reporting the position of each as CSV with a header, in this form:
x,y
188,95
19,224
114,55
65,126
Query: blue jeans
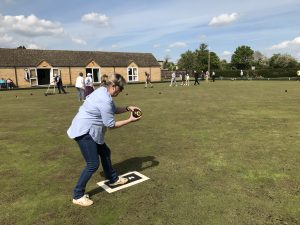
x,y
91,152
80,94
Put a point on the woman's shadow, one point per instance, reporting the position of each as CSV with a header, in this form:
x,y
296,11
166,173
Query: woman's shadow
x,y
133,164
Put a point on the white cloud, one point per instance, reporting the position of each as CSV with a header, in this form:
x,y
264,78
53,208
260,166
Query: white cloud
x,y
96,18
114,46
33,46
286,44
223,19
177,45
156,46
79,41
168,50
226,53
5,39
29,26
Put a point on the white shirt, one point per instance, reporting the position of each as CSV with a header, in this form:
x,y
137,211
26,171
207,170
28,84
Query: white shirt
x,y
88,82
79,82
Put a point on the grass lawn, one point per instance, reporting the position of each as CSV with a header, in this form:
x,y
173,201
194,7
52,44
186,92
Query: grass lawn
x,y
219,153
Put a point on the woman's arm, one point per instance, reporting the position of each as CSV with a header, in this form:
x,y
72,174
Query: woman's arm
x,y
120,110
127,121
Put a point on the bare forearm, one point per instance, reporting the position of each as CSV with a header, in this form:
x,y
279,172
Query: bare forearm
x,y
120,110
122,123
127,121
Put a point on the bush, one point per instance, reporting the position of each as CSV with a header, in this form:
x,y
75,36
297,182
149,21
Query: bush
x,y
266,73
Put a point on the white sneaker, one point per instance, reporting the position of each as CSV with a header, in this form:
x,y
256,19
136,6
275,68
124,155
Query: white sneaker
x,y
83,201
120,181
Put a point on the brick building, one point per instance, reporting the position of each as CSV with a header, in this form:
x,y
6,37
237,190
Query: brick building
x,y
29,68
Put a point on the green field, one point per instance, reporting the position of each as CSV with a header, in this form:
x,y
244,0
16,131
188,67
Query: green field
x,y
220,153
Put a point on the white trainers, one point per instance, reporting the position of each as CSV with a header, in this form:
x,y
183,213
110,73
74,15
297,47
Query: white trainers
x,y
83,201
120,181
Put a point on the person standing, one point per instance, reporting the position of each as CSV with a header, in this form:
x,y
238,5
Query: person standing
x,y
80,87
202,75
148,80
196,75
89,85
59,84
206,76
173,79
298,74
88,129
182,78
242,74
213,76
187,80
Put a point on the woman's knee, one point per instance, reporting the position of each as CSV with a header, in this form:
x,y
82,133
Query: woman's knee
x,y
93,166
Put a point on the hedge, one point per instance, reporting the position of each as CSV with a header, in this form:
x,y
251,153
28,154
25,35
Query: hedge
x,y
266,73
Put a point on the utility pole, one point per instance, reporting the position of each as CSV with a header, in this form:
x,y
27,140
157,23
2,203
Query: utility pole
x,y
208,67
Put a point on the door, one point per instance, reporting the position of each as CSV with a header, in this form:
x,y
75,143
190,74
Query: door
x,y
33,77
43,76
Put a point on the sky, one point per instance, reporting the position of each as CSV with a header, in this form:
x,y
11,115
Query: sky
x,y
165,28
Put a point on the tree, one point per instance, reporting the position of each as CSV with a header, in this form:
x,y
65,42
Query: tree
x,y
168,65
224,65
214,61
187,61
202,57
259,60
283,61
199,59
242,57
21,47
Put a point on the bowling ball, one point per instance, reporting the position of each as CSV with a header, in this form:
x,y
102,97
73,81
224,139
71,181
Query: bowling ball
x,y
137,113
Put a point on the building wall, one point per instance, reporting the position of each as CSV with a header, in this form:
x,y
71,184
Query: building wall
x,y
155,74
74,74
6,73
106,70
69,74
65,75
21,78
44,64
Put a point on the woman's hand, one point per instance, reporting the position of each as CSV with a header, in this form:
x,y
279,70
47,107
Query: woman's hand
x,y
132,118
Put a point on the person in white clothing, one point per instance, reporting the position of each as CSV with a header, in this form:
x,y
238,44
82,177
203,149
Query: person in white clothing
x,y
80,87
89,85
173,80
187,80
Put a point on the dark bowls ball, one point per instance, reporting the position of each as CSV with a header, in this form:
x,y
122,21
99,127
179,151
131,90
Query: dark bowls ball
x,y
137,113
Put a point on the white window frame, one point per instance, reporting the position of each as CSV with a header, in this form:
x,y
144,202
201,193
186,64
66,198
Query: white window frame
x,y
33,79
99,74
135,77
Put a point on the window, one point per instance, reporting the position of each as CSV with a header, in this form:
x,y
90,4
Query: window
x,y
132,74
96,74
